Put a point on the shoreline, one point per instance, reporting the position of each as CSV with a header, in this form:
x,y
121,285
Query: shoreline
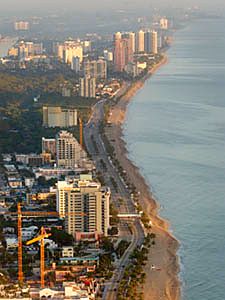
x,y
163,284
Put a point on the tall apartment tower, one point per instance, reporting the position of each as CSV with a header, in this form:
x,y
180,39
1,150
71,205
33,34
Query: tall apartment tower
x,y
140,46
123,53
95,68
131,37
85,205
164,23
66,150
88,87
68,50
148,41
75,65
154,42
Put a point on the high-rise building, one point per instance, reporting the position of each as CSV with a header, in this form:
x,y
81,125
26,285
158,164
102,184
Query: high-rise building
x,y
148,41
163,23
68,150
88,87
21,26
95,69
60,197
75,66
132,37
123,52
86,46
101,69
70,49
154,42
108,55
140,44
56,116
49,146
26,49
85,205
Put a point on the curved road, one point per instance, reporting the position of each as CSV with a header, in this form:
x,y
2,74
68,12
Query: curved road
x,y
91,133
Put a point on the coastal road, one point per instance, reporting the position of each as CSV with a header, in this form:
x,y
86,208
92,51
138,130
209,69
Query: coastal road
x,y
96,149
111,289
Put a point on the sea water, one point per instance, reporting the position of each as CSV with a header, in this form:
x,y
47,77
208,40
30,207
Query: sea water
x,y
175,132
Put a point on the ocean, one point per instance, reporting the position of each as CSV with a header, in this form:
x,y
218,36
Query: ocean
x,y
175,133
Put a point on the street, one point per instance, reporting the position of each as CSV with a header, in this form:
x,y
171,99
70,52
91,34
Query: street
x,y
98,153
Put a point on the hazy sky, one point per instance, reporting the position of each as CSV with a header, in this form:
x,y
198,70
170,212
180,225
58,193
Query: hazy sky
x,y
96,5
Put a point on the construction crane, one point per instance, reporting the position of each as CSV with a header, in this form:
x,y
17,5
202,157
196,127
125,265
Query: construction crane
x,y
81,131
23,214
41,237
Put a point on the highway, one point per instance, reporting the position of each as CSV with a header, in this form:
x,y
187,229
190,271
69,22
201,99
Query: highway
x,y
96,149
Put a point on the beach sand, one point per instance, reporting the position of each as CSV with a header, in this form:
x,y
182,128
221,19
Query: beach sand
x,y
163,282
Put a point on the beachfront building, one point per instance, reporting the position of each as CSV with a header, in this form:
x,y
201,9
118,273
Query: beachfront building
x,y
140,43
123,51
69,152
85,205
154,42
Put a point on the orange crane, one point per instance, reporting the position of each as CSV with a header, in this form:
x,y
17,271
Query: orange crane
x,y
41,237
23,214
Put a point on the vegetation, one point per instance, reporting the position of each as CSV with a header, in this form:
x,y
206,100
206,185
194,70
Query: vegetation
x,y
131,286
21,117
114,220
122,247
61,237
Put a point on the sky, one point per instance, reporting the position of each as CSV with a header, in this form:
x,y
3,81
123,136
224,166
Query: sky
x,y
19,6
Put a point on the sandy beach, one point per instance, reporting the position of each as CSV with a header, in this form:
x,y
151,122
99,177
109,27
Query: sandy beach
x,y
163,282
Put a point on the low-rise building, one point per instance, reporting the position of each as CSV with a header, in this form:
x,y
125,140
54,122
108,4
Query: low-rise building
x,y
67,251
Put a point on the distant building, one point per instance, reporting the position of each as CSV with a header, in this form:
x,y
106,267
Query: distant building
x,y
135,69
96,69
154,42
148,41
123,53
131,36
108,55
26,49
140,43
86,46
75,65
164,23
66,92
68,151
70,49
14,51
88,87
56,116
21,26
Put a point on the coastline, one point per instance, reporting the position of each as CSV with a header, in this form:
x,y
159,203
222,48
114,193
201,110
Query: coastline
x,y
164,283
